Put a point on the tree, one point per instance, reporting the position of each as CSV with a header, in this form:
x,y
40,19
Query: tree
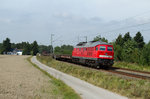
x,y
6,46
135,55
1,46
139,39
128,50
127,37
64,49
119,40
27,49
19,45
34,48
99,38
118,52
145,56
45,49
57,50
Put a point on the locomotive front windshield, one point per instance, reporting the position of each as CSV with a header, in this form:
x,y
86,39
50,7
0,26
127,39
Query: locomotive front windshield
x,y
102,48
109,49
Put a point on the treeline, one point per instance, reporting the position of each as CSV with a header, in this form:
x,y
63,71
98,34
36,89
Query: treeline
x,y
28,49
132,49
127,48
64,49
45,50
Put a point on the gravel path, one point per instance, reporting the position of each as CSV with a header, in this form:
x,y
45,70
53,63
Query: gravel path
x,y
20,80
86,90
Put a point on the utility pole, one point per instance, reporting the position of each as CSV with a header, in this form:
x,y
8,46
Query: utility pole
x,y
78,39
85,38
52,43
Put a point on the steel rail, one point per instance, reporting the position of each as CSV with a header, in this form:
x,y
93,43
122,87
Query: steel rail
x,y
129,74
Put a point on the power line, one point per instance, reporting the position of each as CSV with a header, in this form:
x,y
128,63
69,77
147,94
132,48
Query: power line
x,y
129,26
57,38
145,30
141,14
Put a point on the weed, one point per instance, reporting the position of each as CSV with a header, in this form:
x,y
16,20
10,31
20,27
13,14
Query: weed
x,y
132,66
127,87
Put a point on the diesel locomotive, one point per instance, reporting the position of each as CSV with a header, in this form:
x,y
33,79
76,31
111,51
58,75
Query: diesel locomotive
x,y
94,53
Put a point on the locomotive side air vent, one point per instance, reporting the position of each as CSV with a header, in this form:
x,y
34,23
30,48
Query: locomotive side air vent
x,y
90,44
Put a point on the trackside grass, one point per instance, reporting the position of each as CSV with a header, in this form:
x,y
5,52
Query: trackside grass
x,y
61,90
132,88
132,66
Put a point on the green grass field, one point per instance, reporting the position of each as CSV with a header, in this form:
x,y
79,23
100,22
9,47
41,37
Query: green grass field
x,y
132,88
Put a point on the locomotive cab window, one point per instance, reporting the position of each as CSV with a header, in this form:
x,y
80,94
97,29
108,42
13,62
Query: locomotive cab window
x,y
109,49
96,48
102,48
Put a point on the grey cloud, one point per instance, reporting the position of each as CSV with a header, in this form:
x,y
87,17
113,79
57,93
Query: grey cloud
x,y
28,20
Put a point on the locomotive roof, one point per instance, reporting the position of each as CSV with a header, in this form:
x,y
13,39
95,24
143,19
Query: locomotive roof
x,y
91,44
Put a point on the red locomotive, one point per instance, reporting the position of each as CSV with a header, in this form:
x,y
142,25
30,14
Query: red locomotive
x,y
95,54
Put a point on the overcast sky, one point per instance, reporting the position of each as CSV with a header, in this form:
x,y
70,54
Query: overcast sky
x,y
29,20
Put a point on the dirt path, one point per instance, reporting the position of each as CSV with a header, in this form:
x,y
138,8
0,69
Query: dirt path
x,y
20,80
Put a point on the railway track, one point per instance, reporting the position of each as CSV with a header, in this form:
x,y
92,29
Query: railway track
x,y
124,72
130,73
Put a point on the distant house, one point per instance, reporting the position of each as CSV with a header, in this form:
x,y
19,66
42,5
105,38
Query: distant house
x,y
17,51
14,52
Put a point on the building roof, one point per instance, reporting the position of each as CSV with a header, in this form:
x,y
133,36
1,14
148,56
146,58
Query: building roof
x,y
18,50
90,44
